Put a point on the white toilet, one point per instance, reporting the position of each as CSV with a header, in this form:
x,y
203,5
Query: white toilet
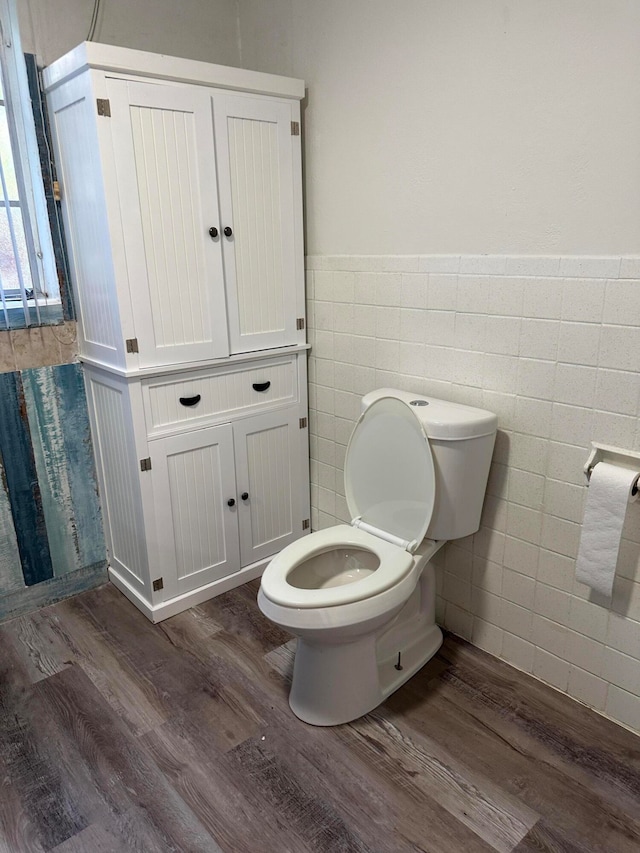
x,y
361,597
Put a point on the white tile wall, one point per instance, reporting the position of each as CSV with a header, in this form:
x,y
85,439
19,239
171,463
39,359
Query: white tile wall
x,y
551,345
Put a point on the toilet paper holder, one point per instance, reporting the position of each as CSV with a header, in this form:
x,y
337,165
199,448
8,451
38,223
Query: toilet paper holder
x,y
615,456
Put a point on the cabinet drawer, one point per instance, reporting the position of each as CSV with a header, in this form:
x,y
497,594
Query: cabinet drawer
x,y
208,396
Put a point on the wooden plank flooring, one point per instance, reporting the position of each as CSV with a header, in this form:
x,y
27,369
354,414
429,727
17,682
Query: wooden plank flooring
x,y
118,735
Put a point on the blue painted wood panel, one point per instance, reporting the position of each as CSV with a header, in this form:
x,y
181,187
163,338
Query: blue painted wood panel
x,y
21,480
86,521
29,598
51,535
10,566
57,411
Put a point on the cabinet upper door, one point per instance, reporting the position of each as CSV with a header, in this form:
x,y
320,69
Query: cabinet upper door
x,y
193,480
166,174
268,472
260,188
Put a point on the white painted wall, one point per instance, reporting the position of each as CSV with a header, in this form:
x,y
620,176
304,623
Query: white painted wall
x,y
462,125
196,29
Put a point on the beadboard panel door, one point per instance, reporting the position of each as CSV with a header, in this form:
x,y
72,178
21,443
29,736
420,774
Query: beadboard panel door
x,y
193,480
166,175
255,149
268,470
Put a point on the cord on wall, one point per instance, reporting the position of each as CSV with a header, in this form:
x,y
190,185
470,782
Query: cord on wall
x,y
94,20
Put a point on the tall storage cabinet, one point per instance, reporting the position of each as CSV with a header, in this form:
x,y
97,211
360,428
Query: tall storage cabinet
x,y
182,200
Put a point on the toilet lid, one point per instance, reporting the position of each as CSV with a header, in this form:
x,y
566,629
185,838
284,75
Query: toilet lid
x,y
389,475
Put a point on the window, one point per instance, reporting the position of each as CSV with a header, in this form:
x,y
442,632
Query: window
x,y
29,289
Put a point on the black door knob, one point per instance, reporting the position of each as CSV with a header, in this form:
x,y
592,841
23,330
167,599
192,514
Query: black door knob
x,y
228,232
213,232
245,496
231,502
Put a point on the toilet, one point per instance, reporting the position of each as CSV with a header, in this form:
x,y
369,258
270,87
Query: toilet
x,y
360,597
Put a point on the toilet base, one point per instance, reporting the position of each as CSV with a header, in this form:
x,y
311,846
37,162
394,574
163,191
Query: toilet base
x,y
335,683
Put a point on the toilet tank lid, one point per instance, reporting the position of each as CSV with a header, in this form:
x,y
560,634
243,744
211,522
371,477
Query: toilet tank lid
x,y
439,418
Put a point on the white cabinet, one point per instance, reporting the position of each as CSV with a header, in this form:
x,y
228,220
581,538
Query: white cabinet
x,y
182,201
173,537
226,497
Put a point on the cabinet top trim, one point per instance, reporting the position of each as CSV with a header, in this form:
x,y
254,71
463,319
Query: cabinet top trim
x,y
124,60
163,369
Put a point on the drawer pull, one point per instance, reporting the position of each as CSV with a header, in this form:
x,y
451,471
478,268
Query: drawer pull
x,y
261,386
190,401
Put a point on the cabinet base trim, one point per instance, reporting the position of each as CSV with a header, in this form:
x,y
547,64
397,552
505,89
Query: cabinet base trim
x,y
158,612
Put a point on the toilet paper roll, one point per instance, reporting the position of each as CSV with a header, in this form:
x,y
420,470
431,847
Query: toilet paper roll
x,y
609,494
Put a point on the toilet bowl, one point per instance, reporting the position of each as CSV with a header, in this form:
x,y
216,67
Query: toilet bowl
x,y
360,598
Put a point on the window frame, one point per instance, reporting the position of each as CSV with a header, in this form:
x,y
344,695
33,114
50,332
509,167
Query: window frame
x,y
26,157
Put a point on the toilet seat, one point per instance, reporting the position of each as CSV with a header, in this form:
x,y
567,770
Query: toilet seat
x,y
395,564
390,492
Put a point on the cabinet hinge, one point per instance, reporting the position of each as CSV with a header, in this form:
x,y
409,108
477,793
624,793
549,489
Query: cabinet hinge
x,y
295,128
306,524
158,584
300,323
104,107
132,345
145,464
57,195
303,423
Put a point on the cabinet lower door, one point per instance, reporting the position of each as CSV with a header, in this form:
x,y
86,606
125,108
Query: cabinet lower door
x,y
162,140
268,472
259,191
193,480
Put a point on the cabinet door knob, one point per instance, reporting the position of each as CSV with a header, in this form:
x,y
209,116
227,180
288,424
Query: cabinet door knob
x,y
190,401
231,502
245,496
261,386
213,232
228,232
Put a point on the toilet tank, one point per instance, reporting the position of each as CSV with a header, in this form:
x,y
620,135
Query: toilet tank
x,y
461,440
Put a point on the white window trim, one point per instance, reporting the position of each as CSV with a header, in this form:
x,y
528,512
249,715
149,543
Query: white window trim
x,y
27,161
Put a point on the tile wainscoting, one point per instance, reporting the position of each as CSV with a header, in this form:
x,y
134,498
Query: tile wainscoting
x,y
551,345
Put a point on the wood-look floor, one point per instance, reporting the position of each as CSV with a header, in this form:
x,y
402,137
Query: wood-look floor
x,y
118,735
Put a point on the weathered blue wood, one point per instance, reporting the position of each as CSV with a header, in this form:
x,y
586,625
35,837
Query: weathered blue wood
x,y
21,481
86,521
50,315
58,417
52,467
10,567
24,600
